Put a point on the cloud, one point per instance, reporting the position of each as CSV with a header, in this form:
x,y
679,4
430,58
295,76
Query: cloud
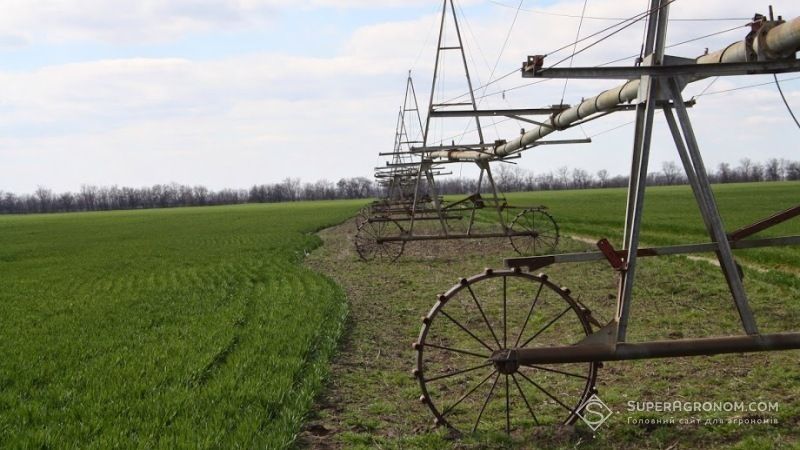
x,y
125,22
12,41
258,117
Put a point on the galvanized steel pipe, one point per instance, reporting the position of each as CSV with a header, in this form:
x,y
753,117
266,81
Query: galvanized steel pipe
x,y
777,42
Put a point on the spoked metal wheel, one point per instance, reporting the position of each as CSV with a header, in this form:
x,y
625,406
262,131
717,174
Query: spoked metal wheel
x,y
362,216
368,236
493,312
541,232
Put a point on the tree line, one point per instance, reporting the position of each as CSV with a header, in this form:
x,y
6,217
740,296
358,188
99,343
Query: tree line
x,y
509,178
106,198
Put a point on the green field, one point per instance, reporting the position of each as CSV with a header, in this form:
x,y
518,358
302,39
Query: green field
x,y
671,215
203,328
195,327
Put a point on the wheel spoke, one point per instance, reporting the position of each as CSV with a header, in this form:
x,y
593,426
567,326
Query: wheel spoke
x,y
463,397
485,320
382,248
364,228
508,409
459,372
525,399
569,374
547,326
547,393
505,304
466,330
530,312
528,224
450,349
486,402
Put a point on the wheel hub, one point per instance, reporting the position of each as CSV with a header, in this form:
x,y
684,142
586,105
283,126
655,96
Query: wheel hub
x,y
505,361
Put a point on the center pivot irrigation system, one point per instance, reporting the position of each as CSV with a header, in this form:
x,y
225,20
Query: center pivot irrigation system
x,y
507,349
413,203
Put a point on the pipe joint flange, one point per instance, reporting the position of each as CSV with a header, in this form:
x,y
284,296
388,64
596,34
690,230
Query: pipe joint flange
x,y
759,46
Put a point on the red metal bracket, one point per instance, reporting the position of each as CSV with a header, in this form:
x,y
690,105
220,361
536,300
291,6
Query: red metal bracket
x,y
761,225
611,255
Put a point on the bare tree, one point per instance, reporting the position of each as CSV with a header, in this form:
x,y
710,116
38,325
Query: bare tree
x,y
546,181
724,173
509,178
563,176
291,188
671,172
756,173
793,171
602,177
745,168
773,170
581,179
45,198
65,201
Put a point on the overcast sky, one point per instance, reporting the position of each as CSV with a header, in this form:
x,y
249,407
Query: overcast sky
x,y
229,93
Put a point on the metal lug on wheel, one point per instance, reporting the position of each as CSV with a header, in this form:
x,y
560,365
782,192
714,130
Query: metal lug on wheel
x,y
463,282
565,290
488,271
543,276
415,373
416,346
600,365
423,399
442,298
426,320
517,269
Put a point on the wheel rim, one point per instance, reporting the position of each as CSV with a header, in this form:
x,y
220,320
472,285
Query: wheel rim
x,y
499,310
368,247
541,232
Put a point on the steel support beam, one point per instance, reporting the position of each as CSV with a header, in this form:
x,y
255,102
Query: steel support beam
x,y
647,350
654,45
708,208
490,178
532,263
500,112
673,70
